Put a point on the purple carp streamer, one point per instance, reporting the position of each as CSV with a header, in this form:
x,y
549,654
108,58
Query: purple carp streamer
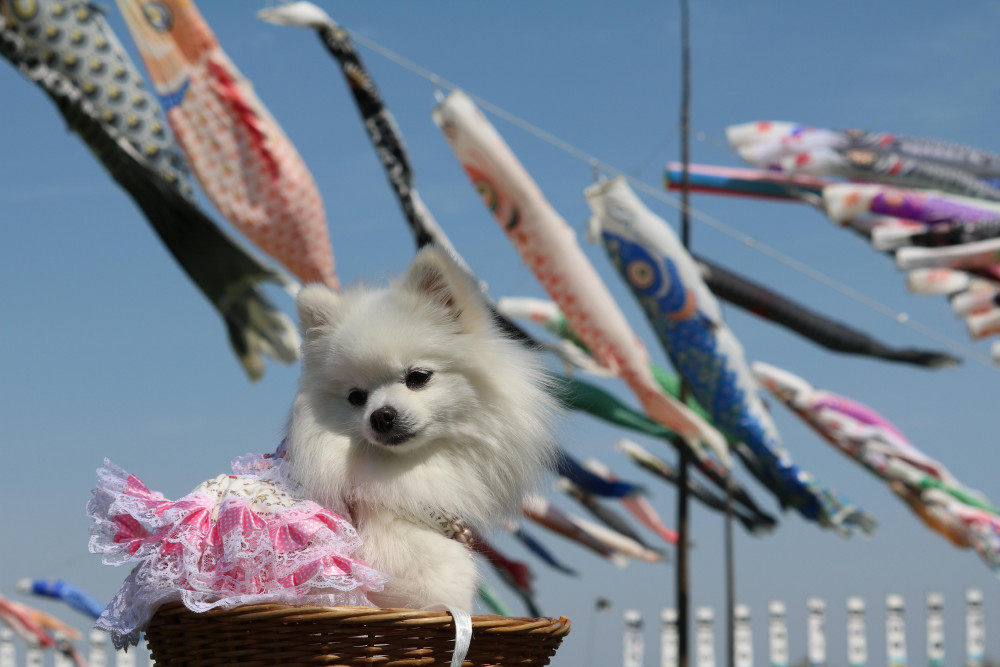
x,y
868,156
224,272
246,165
688,321
963,516
763,302
550,249
935,219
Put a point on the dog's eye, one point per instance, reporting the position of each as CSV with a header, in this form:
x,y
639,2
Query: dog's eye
x,y
357,397
417,379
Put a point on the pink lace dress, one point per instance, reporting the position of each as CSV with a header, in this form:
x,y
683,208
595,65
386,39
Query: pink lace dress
x,y
237,539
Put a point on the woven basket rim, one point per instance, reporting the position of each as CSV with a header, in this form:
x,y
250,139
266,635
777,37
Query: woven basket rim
x,y
349,615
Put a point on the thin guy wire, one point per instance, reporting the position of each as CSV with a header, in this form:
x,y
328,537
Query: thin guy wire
x,y
898,316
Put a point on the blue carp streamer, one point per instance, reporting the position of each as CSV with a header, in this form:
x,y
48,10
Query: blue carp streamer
x,y
688,321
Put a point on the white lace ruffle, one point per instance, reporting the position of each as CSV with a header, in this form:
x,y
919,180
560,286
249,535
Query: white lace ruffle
x,y
235,540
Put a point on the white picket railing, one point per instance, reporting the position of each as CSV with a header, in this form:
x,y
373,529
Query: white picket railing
x,y
98,652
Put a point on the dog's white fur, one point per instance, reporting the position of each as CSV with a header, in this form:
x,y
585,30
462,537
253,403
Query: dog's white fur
x,y
478,433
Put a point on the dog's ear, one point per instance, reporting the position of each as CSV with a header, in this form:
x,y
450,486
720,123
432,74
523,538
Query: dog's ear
x,y
435,276
317,305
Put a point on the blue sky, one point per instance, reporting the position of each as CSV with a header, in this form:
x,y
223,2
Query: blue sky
x,y
107,350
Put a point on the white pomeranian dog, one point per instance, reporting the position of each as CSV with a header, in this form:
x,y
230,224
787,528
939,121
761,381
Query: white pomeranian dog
x,y
417,417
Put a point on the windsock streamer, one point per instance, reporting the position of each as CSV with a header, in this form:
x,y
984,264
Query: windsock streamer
x,y
550,249
984,324
868,156
225,273
687,318
963,516
610,540
793,137
598,510
937,281
976,299
390,149
537,548
638,507
238,152
736,181
378,121
542,512
942,220
492,599
25,623
515,574
587,480
854,429
657,466
575,394
978,255
72,595
571,349
833,335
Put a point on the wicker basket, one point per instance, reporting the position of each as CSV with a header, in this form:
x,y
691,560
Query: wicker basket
x,y
285,635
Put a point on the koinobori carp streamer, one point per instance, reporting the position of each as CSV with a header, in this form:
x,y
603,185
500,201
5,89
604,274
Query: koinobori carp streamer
x,y
246,165
550,249
688,321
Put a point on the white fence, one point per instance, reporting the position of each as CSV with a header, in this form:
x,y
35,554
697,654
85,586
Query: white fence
x,y
96,649
857,651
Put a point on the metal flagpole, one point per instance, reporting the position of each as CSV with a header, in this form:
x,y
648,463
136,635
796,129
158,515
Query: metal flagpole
x,y
682,482
682,603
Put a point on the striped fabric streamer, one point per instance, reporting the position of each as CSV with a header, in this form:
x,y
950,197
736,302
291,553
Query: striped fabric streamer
x,y
542,512
550,249
868,156
58,589
963,516
660,468
515,574
743,182
238,152
596,484
604,514
638,507
537,548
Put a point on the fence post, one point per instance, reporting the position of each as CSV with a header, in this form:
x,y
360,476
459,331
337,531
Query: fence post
x,y
778,634
935,630
668,638
895,631
632,654
975,628
8,654
97,656
33,656
705,637
742,636
816,632
857,642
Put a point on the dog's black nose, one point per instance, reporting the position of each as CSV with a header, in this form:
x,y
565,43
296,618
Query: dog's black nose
x,y
383,419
